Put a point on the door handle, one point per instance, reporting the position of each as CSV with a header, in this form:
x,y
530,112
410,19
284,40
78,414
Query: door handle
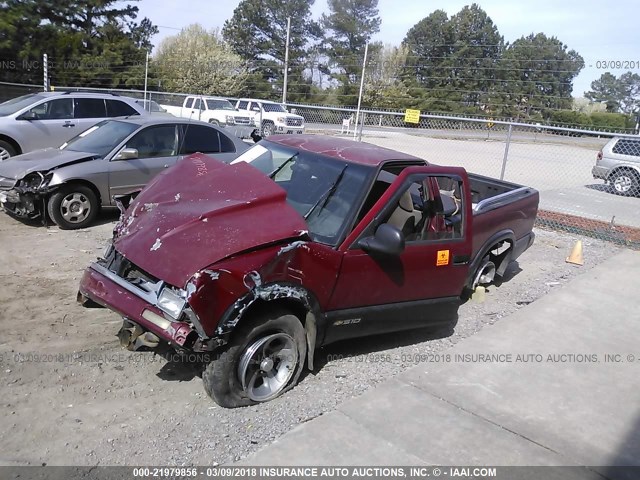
x,y
461,259
166,166
69,125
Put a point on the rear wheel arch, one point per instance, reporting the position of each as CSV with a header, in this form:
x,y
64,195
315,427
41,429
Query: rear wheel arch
x,y
498,249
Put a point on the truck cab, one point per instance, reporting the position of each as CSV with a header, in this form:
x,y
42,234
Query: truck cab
x,y
271,117
215,110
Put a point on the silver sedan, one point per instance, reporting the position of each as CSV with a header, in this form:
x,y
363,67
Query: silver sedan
x,y
71,183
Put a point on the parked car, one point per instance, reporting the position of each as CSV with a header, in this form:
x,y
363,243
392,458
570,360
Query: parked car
x,y
214,110
618,163
299,242
271,117
114,157
49,119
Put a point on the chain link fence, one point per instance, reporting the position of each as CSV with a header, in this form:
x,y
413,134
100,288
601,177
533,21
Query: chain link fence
x,y
558,161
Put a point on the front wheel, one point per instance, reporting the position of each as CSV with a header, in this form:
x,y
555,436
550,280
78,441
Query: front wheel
x,y
264,359
267,129
625,183
73,207
214,122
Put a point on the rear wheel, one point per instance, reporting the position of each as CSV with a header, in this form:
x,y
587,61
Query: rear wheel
x,y
264,359
625,183
6,150
73,206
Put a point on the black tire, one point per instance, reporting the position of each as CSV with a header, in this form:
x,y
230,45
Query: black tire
x,y
6,150
267,129
214,122
625,183
221,376
62,207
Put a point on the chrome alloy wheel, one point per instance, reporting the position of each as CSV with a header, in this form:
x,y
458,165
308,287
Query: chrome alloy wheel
x,y
267,366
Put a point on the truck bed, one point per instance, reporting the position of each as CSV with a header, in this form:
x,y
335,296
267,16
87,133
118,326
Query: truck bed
x,y
500,206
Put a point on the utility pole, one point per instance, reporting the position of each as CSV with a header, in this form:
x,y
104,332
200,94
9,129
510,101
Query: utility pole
x,y
146,73
364,64
45,71
286,62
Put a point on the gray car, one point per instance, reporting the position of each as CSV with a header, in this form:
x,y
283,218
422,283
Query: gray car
x,y
49,119
114,157
618,163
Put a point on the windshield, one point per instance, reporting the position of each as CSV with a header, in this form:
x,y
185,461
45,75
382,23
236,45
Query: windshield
x,y
219,104
273,107
321,189
16,104
101,138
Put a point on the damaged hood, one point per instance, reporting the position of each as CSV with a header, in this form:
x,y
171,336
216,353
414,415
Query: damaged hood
x,y
40,161
201,211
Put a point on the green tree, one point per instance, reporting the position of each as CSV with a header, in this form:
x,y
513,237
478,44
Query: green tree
x,y
427,71
429,43
618,94
475,53
200,62
452,62
538,73
257,32
383,85
350,25
89,42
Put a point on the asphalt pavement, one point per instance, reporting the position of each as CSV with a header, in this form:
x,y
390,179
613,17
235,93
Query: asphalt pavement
x,y
555,384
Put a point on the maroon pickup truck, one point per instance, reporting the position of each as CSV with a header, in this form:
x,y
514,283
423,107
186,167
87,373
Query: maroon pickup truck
x,y
299,242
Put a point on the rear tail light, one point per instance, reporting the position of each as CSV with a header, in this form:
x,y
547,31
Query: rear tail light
x,y
599,156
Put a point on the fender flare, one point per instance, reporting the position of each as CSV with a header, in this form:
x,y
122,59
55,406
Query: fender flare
x,y
501,236
261,296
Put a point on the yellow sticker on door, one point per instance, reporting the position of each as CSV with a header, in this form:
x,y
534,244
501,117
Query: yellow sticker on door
x,y
442,258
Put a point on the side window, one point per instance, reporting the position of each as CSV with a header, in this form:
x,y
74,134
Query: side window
x,y
242,105
199,138
117,108
89,108
255,107
627,147
198,104
189,103
427,208
153,142
60,108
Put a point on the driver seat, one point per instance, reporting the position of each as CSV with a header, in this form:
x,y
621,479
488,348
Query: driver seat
x,y
404,218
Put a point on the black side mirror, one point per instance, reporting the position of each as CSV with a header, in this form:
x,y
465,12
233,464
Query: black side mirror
x,y
28,116
387,240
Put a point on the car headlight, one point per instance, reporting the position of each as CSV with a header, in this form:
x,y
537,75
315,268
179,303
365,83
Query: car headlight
x,y
32,181
281,119
230,120
170,302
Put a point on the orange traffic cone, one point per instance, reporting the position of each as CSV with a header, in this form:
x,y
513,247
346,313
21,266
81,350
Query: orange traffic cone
x,y
576,254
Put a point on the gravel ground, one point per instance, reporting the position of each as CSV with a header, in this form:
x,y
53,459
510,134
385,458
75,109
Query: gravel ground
x,y
71,395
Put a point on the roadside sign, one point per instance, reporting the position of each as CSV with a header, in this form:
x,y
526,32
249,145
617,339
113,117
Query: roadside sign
x,y
412,116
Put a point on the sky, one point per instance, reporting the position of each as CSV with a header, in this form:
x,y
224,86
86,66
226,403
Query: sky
x,y
600,31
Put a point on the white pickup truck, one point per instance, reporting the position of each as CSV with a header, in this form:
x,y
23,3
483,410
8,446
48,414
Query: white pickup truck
x,y
214,110
270,117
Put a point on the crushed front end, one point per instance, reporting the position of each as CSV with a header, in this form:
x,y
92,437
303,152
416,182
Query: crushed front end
x,y
25,198
153,311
